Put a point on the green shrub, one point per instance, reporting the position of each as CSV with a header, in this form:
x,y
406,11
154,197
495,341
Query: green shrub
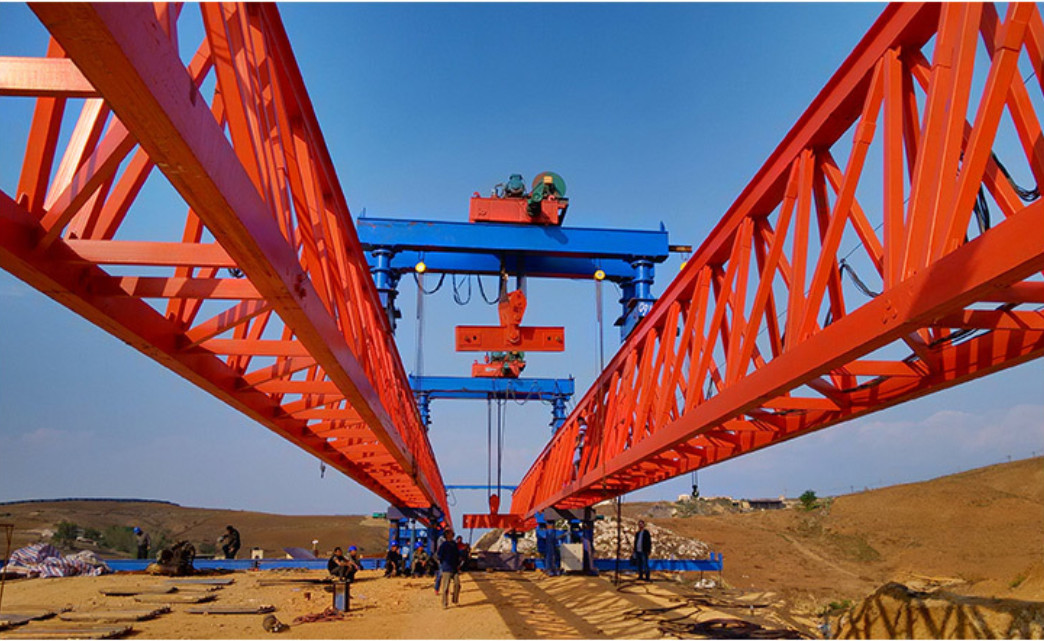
x,y
119,537
809,500
66,533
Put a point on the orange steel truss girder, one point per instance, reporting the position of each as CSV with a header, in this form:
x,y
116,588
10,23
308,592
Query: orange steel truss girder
x,y
293,335
765,336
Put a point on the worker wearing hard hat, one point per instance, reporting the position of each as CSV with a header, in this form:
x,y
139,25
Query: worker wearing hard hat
x,y
144,542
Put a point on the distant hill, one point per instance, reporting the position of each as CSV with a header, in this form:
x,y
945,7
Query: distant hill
x,y
978,532
201,526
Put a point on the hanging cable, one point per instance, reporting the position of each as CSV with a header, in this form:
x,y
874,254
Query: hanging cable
x,y
501,420
457,298
982,211
601,333
489,445
843,267
419,279
619,540
1028,195
482,291
418,363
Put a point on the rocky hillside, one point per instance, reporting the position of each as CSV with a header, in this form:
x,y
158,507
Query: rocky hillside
x,y
666,544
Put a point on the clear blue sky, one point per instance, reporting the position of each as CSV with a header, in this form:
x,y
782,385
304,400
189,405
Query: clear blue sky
x,y
651,113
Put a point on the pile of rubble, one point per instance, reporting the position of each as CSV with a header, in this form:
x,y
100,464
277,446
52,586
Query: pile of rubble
x,y
666,544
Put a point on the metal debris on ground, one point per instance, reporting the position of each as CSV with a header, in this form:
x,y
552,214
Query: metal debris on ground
x,y
233,609
135,591
10,619
685,626
329,614
724,628
226,581
114,616
174,598
79,632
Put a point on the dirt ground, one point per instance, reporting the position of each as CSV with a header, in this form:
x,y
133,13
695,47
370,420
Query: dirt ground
x,y
492,606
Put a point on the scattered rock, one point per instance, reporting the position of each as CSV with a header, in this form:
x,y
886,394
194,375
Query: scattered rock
x,y
666,544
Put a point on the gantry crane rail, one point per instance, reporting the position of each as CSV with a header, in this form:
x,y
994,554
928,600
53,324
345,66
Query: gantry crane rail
x,y
766,336
261,295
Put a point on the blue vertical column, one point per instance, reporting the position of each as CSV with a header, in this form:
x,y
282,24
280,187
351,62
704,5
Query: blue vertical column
x,y
558,411
413,544
387,282
424,408
637,298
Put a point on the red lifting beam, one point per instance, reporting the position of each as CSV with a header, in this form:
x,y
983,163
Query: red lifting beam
x,y
294,336
763,337
509,336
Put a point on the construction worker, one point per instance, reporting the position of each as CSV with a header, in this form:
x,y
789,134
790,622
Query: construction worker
x,y
449,566
354,558
642,550
420,561
340,567
143,541
230,542
393,561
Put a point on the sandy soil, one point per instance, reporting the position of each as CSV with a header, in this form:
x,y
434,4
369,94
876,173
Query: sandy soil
x,y
492,606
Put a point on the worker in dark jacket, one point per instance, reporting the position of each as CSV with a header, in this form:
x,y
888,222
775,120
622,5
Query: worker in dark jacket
x,y
393,562
230,542
421,560
144,542
449,564
342,567
642,550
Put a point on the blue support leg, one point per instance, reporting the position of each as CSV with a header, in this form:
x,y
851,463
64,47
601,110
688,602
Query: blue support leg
x,y
387,280
424,408
558,411
637,297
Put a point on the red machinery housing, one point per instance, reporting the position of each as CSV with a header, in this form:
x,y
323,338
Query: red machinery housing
x,y
545,205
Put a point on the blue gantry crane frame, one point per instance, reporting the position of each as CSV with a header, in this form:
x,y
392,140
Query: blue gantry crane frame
x,y
556,391
626,257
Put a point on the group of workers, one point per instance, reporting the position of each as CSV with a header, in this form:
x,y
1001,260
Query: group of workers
x,y
452,556
450,559
424,564
229,542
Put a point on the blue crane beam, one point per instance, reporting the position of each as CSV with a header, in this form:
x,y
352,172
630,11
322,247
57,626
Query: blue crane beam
x,y
500,239
468,387
509,488
625,256
536,266
552,390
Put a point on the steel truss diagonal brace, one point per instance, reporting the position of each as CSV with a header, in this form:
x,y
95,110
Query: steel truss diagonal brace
x,y
128,56
713,373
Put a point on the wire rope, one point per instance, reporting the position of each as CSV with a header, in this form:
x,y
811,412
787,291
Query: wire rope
x,y
482,291
419,279
457,298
